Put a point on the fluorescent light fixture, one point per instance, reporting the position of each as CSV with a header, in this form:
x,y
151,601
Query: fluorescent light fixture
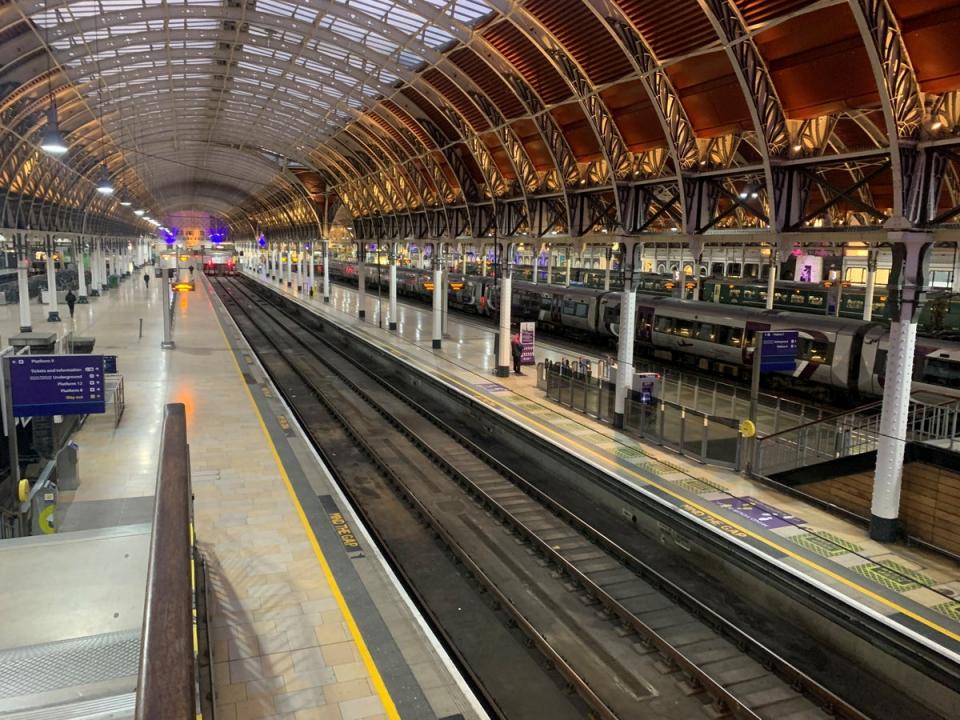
x,y
52,141
139,213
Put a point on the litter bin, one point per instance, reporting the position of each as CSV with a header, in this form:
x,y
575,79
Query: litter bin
x,y
114,281
68,467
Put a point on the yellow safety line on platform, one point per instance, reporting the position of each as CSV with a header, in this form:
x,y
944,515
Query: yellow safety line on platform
x,y
378,684
672,493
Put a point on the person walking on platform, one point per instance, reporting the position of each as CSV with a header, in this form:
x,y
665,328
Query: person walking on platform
x,y
71,301
146,280
516,347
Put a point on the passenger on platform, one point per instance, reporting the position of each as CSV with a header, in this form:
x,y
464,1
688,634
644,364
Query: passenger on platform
x,y
146,280
566,367
516,346
71,301
482,305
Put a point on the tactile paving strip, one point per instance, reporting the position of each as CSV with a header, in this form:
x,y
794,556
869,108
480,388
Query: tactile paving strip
x,y
68,663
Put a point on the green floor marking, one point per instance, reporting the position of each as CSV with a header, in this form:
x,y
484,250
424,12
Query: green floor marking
x,y
825,544
893,575
628,452
950,609
699,486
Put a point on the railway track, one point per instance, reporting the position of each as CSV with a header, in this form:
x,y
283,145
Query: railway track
x,y
622,636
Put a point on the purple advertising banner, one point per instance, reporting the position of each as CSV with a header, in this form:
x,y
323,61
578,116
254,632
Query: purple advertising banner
x,y
43,385
528,338
766,515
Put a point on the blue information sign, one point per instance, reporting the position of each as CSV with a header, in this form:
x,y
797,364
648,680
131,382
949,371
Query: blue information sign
x,y
43,385
110,364
779,351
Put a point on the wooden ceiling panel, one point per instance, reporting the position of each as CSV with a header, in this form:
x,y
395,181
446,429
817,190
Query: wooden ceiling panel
x,y
671,27
930,32
529,61
537,151
756,12
488,81
457,98
711,94
818,63
578,131
584,37
634,115
499,155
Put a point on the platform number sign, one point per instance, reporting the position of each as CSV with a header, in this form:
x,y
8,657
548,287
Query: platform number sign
x,y
45,385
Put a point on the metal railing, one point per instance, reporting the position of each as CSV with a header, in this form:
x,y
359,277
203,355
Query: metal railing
x,y
692,433
167,682
852,433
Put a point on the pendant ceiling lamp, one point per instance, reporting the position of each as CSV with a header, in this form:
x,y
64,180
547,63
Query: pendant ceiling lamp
x,y
52,141
104,186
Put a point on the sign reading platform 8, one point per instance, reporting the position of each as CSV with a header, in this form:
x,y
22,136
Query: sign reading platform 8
x,y
43,385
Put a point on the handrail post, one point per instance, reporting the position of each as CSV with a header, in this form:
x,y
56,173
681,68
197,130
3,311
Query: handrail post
x,y
166,684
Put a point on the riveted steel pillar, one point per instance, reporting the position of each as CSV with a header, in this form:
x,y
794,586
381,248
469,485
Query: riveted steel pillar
x,y
438,294
392,307
624,382
907,278
504,350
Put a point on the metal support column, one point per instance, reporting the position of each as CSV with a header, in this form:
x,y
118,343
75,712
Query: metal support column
x,y
167,343
326,271
300,283
504,350
361,280
392,307
772,278
907,278
23,282
606,270
53,307
437,295
81,272
628,306
871,285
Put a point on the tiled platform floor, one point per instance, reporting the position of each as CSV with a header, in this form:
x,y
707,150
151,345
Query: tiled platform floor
x,y
286,643
922,591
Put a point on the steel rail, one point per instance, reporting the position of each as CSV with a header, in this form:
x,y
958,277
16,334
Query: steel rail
x,y
603,712
723,700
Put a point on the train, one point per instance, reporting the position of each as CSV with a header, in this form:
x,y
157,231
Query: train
x,y
839,359
220,260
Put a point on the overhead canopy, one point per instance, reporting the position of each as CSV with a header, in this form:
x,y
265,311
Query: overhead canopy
x,y
269,113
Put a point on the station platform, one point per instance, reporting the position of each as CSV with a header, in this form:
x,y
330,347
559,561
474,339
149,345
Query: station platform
x,y
308,621
911,590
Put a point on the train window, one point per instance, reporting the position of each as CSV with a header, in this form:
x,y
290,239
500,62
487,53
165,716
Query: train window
x,y
942,372
716,269
735,294
751,270
583,309
684,328
749,294
815,300
815,351
883,276
855,275
732,336
569,307
664,325
798,299
855,305
734,270
706,332
941,278
880,365
546,301
751,338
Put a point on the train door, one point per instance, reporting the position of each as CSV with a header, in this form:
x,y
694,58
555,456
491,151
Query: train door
x,y
750,339
645,324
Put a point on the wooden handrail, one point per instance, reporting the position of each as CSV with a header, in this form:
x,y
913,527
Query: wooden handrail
x,y
167,676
